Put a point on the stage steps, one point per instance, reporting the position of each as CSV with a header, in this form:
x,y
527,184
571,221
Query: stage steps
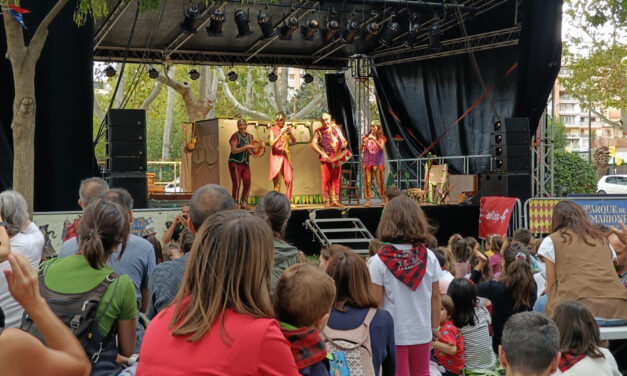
x,y
349,232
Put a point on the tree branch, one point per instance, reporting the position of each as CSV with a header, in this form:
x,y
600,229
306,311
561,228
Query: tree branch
x,y
308,108
98,111
39,38
182,88
600,114
249,86
152,96
238,106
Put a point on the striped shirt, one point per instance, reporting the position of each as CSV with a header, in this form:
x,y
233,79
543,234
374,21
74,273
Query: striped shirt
x,y
478,342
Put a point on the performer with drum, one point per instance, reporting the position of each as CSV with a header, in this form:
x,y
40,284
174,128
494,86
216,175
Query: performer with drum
x,y
372,145
280,161
329,142
241,143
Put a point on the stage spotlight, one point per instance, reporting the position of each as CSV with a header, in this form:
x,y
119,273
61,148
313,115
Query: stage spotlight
x,y
350,32
215,26
290,26
308,78
497,126
194,74
272,77
192,16
435,36
333,26
389,33
232,76
310,30
265,23
412,34
110,71
372,30
153,73
241,20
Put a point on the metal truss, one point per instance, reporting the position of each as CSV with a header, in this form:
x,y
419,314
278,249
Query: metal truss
x,y
477,42
543,160
110,22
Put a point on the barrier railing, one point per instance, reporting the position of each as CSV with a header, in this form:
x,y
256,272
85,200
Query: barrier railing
x,y
516,221
405,164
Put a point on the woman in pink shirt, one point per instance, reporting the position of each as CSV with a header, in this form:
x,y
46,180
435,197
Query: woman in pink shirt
x,y
220,322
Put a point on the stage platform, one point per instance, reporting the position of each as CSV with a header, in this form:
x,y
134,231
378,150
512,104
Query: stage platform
x,y
448,219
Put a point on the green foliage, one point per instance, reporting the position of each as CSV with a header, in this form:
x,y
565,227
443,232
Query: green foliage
x,y
560,141
573,174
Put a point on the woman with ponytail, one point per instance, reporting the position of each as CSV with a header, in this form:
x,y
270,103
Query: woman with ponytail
x,y
514,291
103,226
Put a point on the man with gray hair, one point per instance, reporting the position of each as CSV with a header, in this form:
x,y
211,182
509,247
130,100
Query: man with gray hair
x,y
165,280
89,190
530,345
26,239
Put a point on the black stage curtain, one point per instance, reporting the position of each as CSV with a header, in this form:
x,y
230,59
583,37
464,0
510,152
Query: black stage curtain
x,y
340,103
64,94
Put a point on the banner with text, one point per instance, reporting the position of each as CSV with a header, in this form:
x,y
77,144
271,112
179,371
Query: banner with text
x,y
604,211
494,214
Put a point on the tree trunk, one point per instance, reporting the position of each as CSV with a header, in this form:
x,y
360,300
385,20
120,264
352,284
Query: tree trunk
x,y
238,106
167,127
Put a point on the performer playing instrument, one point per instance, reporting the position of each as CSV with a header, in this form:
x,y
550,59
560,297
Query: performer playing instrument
x,y
280,161
372,145
329,142
241,144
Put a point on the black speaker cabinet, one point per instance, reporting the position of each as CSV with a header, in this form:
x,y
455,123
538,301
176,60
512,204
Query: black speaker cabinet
x,y
126,134
126,118
508,184
135,183
126,148
520,163
512,125
126,164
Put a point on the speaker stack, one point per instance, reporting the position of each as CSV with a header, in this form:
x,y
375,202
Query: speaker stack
x,y
126,153
510,151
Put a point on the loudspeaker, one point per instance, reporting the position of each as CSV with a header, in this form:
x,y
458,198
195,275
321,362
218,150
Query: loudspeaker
x,y
126,148
126,118
123,164
512,125
510,145
135,183
508,184
126,141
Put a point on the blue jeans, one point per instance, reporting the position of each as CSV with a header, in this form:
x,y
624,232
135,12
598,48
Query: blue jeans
x,y
610,322
540,303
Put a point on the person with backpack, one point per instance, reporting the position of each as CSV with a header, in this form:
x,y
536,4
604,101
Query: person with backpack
x,y
85,278
355,315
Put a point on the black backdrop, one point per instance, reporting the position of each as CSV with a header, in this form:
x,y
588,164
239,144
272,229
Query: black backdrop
x,y
340,103
64,95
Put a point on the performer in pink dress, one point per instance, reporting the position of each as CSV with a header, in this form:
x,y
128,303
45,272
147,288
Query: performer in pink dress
x,y
372,145
329,142
280,162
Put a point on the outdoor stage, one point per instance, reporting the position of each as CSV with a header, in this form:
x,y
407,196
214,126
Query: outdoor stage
x,y
448,219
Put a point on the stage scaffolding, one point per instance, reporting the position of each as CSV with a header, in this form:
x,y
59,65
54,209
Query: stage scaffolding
x,y
543,159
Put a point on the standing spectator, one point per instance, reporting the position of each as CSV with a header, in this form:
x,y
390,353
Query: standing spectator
x,y
156,245
220,322
579,266
406,274
177,225
354,299
494,243
90,190
165,280
530,345
25,239
459,248
447,277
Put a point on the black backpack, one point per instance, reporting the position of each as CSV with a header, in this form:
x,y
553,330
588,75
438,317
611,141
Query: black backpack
x,y
78,312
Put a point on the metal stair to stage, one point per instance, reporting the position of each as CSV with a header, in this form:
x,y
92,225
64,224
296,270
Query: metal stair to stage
x,y
349,232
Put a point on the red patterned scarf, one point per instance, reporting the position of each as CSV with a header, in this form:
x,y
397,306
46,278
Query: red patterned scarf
x,y
569,359
407,266
306,344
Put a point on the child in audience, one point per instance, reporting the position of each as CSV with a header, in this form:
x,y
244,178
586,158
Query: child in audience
x,y
494,243
490,244
449,348
459,248
373,247
473,323
302,302
329,251
447,277
580,345
171,251
156,245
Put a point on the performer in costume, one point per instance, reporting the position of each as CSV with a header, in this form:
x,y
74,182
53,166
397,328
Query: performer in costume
x,y
241,143
328,141
372,145
280,162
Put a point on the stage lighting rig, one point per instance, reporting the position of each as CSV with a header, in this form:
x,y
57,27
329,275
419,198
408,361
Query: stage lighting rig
x,y
272,77
215,25
412,32
435,36
288,29
153,73
350,32
265,24
311,29
194,74
232,76
390,32
190,23
308,78
372,30
333,26
241,21
110,71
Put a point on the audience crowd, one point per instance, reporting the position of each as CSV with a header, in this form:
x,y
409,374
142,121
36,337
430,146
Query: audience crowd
x,y
225,293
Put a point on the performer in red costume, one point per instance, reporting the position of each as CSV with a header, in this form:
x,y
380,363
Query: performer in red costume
x,y
329,142
372,145
241,143
280,161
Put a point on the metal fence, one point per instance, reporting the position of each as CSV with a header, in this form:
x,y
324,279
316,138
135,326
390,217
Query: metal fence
x,y
418,164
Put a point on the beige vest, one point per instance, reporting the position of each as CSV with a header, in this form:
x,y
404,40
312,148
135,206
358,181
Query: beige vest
x,y
586,274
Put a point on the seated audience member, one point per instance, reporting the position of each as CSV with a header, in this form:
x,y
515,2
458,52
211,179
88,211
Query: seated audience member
x,y
460,251
302,301
354,302
156,245
22,354
448,348
582,354
90,190
447,277
220,322
473,324
524,237
171,251
274,208
373,247
579,267
530,345
326,253
514,291
180,223
483,269
25,239
494,244
104,228
165,280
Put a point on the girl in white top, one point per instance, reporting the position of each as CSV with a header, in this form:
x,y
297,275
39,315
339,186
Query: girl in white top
x,y
406,275
580,343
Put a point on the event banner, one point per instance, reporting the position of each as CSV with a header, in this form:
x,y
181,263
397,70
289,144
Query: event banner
x,y
604,211
494,215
